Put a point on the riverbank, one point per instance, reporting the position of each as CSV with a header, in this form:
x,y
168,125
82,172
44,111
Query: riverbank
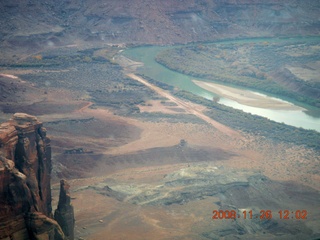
x,y
246,97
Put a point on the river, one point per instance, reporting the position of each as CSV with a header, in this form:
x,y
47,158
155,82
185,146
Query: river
x,y
152,69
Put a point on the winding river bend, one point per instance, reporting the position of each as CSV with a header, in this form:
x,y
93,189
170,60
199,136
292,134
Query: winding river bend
x,y
151,68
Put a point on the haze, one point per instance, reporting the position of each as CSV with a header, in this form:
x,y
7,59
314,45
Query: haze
x,y
161,114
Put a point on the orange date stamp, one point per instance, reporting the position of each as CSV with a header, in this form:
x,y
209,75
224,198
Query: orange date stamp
x,y
263,214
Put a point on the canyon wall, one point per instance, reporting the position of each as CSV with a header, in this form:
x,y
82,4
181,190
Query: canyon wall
x,y
25,189
35,24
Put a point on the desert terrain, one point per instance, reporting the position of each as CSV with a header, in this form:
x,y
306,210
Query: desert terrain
x,y
142,161
160,172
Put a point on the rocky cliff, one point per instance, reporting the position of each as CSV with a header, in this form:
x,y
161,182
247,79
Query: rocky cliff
x,y
25,191
64,214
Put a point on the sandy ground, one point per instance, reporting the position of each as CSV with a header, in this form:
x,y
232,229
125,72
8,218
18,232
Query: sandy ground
x,y
9,76
158,106
189,107
129,64
306,74
247,97
98,216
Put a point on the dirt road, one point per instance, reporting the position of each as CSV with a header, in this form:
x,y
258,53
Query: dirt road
x,y
189,107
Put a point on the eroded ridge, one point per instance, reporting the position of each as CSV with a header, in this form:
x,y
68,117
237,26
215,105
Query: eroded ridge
x,y
25,189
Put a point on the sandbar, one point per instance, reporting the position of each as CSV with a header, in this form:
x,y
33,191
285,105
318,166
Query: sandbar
x,y
247,97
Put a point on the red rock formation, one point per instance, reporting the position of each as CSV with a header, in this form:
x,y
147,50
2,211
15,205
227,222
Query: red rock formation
x,y
64,214
25,192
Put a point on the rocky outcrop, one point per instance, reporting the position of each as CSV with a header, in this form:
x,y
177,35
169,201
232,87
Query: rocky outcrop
x,y
64,214
150,21
25,191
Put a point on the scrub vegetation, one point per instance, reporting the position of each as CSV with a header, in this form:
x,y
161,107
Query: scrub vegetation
x,y
269,67
91,72
246,122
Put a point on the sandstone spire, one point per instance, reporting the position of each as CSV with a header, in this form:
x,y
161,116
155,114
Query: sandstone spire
x,y
64,214
25,189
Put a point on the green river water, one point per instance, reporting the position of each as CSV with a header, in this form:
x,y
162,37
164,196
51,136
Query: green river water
x,y
158,72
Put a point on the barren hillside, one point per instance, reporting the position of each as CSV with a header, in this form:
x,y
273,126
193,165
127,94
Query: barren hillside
x,y
34,24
